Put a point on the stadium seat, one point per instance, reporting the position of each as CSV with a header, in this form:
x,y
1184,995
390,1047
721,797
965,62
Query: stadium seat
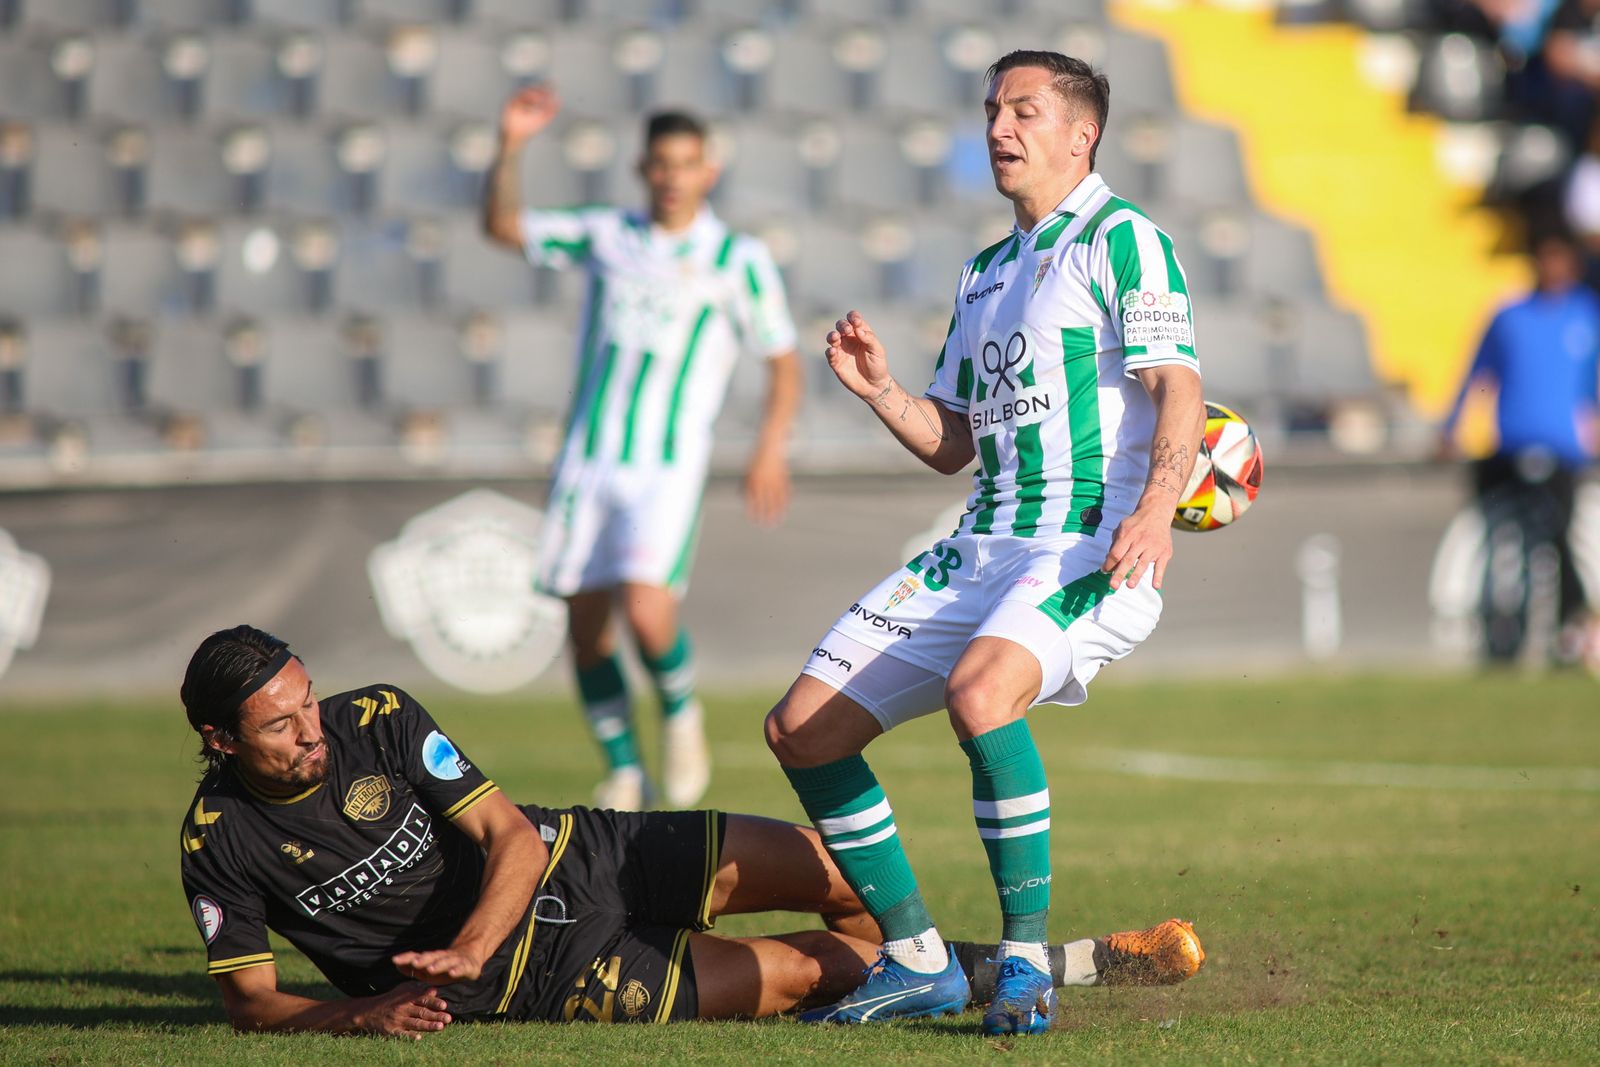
x,y
1329,356
472,83
71,174
190,14
75,14
36,278
583,71
1460,79
70,369
28,87
256,274
356,81
418,173
140,274
188,369
1281,260
127,83
378,268
692,75
538,368
765,173
478,274
243,81
308,367
313,14
1234,355
187,175
804,76
423,364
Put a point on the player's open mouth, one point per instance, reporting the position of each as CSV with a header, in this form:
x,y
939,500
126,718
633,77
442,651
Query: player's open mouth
x,y
1002,158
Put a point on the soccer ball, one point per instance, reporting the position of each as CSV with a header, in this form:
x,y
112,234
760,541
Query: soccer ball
x,y
1227,474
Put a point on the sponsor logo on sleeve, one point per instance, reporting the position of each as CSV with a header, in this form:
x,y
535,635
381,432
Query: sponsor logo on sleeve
x,y
207,916
1151,318
441,757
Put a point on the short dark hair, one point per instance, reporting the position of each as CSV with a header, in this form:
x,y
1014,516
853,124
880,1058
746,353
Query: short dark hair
x,y
669,123
1078,83
222,665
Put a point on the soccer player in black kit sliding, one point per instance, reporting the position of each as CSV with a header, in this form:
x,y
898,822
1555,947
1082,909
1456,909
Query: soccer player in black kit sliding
x,y
358,831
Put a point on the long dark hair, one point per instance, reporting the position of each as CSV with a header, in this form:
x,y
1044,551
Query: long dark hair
x,y
223,664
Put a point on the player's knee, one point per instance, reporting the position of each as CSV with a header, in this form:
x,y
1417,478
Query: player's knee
x,y
790,739
977,704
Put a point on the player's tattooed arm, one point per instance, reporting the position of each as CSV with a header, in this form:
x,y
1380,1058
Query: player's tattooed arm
x,y
1170,465
527,112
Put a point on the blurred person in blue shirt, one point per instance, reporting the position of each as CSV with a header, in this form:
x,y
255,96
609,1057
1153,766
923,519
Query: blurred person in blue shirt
x,y
1541,356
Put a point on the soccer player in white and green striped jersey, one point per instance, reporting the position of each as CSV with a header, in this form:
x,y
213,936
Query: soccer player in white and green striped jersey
x,y
1069,374
674,297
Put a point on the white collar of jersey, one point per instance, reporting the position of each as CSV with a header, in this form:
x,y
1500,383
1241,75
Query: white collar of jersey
x,y
1073,204
705,226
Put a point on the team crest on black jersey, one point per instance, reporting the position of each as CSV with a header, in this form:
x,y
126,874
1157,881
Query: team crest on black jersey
x,y
368,799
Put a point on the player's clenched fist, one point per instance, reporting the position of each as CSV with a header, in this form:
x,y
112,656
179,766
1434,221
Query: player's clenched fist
x,y
409,1010
857,356
527,112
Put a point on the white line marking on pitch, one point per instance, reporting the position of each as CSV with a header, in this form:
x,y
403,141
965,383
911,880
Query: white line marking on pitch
x,y
1146,763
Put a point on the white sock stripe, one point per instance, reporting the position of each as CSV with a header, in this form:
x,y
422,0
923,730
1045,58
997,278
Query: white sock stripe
x,y
680,680
844,824
870,839
994,833
1011,807
608,729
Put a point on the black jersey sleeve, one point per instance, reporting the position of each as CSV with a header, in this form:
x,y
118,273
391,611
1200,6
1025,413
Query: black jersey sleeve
x,y
226,905
433,764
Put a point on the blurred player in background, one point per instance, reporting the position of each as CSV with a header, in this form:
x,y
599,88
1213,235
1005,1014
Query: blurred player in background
x,y
673,297
1069,372
1541,356
355,828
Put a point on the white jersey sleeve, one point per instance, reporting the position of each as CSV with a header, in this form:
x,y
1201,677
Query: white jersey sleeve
x,y
952,372
1145,292
560,238
760,306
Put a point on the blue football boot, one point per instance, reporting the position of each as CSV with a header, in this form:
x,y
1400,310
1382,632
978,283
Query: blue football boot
x,y
1024,999
893,991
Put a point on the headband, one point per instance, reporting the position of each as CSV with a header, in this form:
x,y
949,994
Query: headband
x,y
260,678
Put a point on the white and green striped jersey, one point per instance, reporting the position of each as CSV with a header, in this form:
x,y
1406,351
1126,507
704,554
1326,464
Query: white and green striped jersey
x,y
665,318
1049,327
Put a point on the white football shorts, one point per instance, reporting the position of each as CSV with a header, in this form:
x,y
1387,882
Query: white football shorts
x,y
893,649
607,523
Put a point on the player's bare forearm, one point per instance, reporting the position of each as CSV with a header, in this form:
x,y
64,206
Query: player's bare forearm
x,y
1175,443
766,480
502,197
255,1005
926,428
1143,541
514,858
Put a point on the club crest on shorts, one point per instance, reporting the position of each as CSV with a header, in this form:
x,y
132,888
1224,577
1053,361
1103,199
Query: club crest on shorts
x,y
634,998
368,799
458,586
904,591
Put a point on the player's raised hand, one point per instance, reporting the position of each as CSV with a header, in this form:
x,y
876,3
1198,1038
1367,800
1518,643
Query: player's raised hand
x,y
1143,541
857,357
527,112
441,966
409,1010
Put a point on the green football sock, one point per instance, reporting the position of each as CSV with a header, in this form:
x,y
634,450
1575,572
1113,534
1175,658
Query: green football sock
x,y
606,706
853,816
1011,803
673,674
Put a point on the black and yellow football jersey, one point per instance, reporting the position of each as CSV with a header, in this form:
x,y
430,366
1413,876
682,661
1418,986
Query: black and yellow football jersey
x,y
364,865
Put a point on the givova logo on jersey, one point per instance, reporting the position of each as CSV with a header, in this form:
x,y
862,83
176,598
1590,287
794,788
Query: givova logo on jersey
x,y
1152,318
1004,358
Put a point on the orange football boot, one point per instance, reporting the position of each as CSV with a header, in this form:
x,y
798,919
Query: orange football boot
x,y
1165,954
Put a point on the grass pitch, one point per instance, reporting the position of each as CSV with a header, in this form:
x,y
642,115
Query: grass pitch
x,y
1382,871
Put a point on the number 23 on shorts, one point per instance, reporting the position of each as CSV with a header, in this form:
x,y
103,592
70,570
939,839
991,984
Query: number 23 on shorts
x,y
936,572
